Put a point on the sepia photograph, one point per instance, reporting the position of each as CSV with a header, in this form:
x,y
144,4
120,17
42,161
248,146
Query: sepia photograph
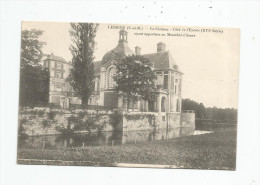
x,y
128,95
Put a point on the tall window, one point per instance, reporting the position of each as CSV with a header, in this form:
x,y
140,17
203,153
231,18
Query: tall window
x,y
159,80
172,82
162,80
163,104
98,85
111,75
179,86
165,81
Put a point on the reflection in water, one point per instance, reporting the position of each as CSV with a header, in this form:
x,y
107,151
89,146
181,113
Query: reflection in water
x,y
199,132
105,138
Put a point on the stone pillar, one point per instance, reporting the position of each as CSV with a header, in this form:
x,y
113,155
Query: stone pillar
x,y
102,86
146,106
138,105
168,103
159,103
102,78
180,102
120,101
101,98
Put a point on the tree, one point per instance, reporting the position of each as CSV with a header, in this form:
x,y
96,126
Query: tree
x,y
34,79
31,47
135,78
226,114
199,108
213,113
82,73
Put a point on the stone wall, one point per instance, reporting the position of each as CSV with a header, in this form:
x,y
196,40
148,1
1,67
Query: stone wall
x,y
45,121
174,120
150,120
139,121
188,120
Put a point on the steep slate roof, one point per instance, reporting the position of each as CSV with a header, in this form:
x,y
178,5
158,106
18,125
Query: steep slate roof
x,y
162,61
56,58
97,68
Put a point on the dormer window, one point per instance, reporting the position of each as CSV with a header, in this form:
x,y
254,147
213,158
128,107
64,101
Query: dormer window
x,y
59,65
58,88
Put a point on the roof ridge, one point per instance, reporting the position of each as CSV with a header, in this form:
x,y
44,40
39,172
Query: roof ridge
x,y
156,53
55,58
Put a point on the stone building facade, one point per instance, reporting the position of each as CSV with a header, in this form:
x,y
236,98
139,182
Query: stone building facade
x,y
168,82
60,92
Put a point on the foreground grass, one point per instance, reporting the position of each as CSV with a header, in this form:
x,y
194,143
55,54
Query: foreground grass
x,y
209,151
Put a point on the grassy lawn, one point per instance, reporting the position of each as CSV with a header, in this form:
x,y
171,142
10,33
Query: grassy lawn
x,y
209,151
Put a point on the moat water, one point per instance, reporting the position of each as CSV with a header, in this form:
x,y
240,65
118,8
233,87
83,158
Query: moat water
x,y
104,138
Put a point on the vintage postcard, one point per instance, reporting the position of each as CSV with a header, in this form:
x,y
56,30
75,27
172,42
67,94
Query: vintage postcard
x,y
128,95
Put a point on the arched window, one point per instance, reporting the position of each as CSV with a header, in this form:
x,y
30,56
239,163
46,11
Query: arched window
x,y
111,76
163,104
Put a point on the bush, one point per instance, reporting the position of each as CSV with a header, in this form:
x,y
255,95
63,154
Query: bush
x,y
82,114
116,118
33,112
46,123
90,107
52,114
65,131
39,104
21,130
40,112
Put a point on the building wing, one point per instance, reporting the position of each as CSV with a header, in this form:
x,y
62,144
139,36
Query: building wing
x,y
162,61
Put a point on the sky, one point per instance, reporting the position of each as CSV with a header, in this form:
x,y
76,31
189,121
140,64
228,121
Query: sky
x,y
209,59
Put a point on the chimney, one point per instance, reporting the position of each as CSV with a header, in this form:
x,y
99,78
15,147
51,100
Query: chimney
x,y
137,50
160,47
